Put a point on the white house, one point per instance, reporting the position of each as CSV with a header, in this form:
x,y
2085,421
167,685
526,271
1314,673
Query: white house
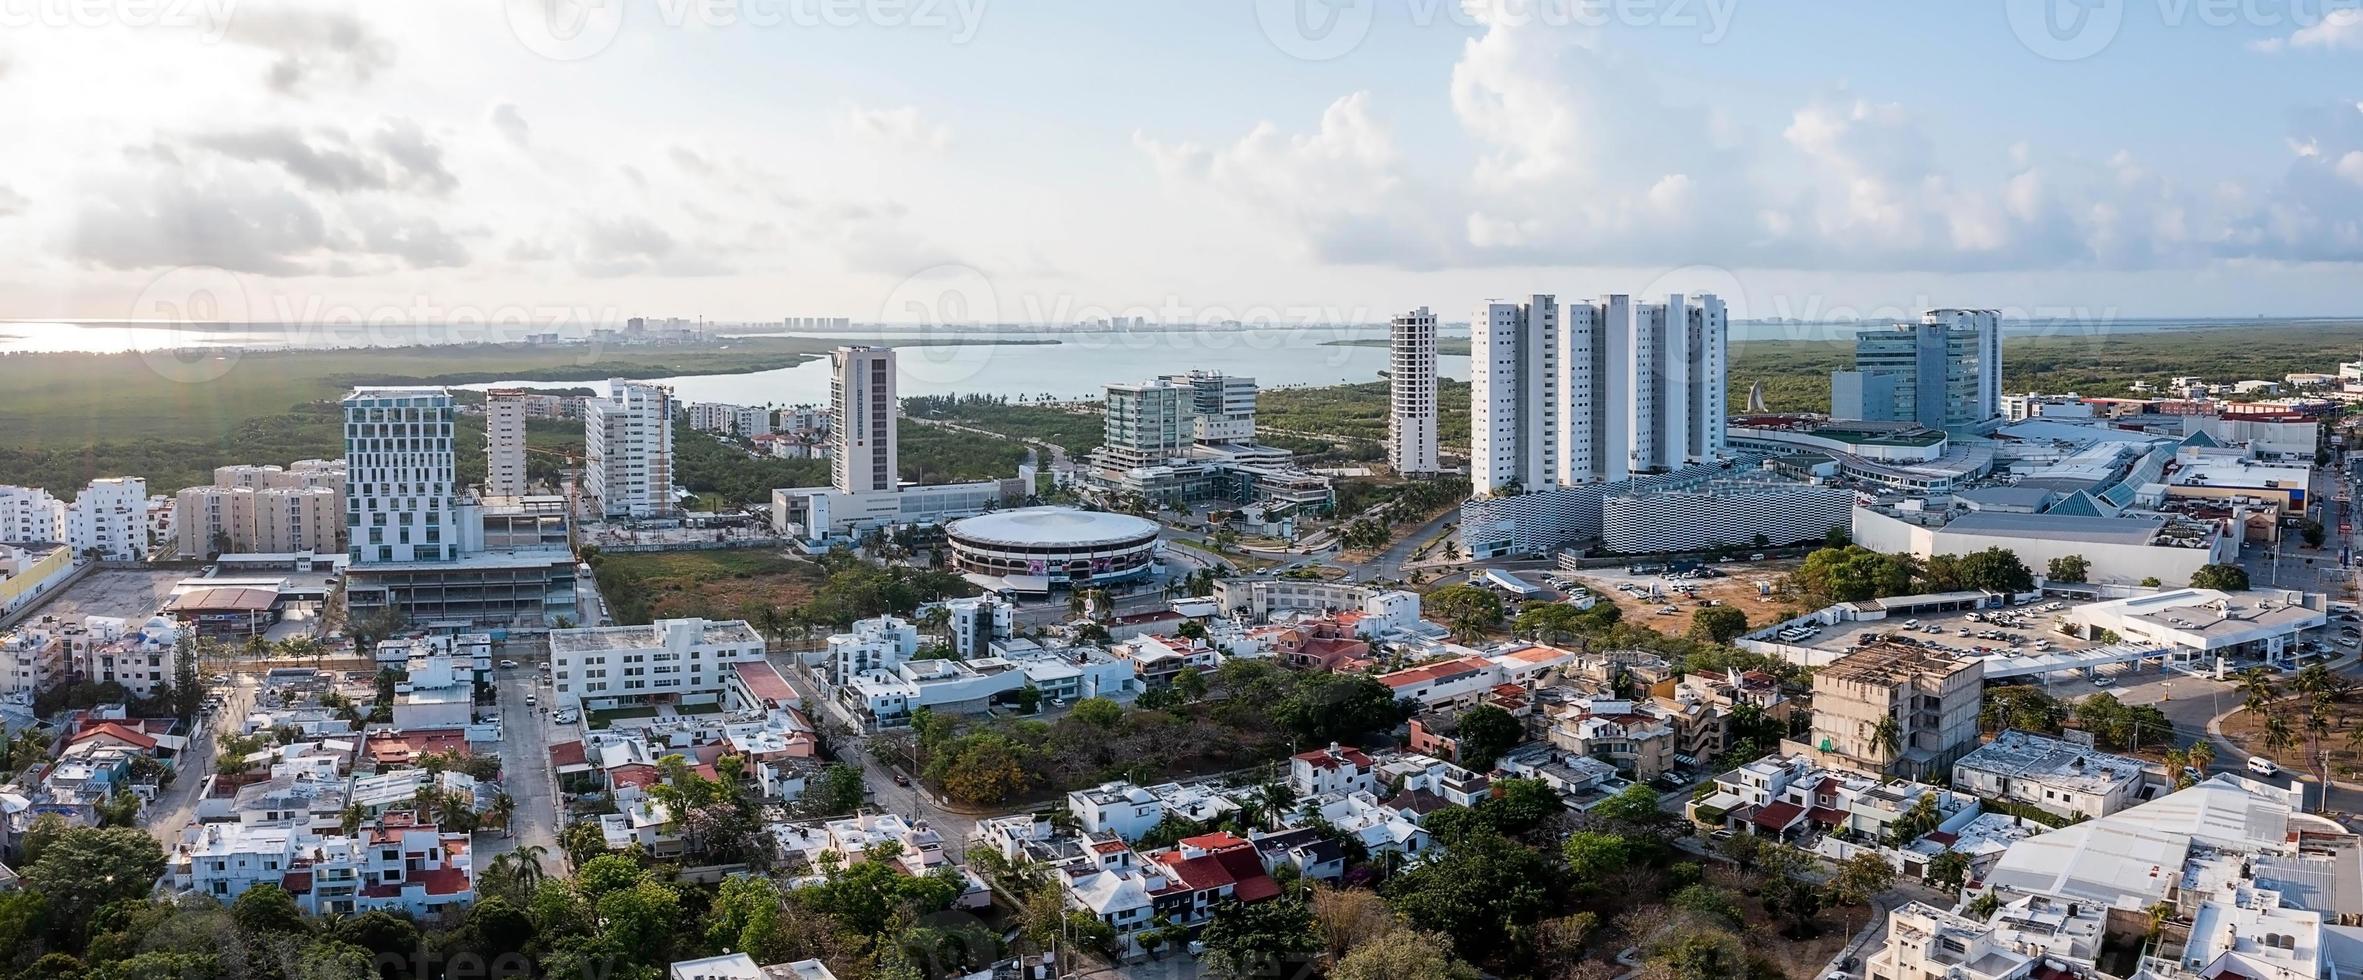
x,y
1119,808
2057,775
1333,770
873,644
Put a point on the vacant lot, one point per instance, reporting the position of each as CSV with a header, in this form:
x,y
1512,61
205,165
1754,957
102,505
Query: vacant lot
x,y
642,588
124,593
1737,589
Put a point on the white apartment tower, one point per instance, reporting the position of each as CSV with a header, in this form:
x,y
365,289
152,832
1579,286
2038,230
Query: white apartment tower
x,y
30,515
504,430
399,462
862,411
628,450
1411,393
1594,391
110,519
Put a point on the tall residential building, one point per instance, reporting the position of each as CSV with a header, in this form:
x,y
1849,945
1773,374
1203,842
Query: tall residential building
x,y
218,520
1221,407
1897,710
1147,423
1411,393
1594,391
628,450
31,515
398,457
1945,371
110,519
504,448
862,411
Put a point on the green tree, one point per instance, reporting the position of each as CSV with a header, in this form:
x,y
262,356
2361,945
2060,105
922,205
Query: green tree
x,y
1484,733
1996,570
1337,707
1403,954
85,869
1948,870
2068,568
1483,890
2222,577
1592,855
266,908
1860,878
1269,938
1097,712
1718,624
1469,610
1633,806
1853,574
1699,954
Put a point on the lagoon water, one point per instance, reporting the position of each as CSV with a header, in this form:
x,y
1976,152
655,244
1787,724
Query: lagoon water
x,y
1076,365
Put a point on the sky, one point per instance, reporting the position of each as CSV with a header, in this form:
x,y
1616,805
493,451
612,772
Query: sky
x,y
1190,160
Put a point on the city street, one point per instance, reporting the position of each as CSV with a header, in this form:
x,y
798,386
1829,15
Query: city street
x,y
878,785
176,808
526,773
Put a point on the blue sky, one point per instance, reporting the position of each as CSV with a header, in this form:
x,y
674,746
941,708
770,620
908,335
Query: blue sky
x,y
1054,161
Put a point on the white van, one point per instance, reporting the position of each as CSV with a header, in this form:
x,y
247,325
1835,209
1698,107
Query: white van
x,y
2262,766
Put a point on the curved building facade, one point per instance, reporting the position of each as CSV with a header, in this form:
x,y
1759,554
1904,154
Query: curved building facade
x,y
1041,548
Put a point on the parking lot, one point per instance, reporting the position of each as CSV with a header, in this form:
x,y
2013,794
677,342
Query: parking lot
x,y
2018,630
126,593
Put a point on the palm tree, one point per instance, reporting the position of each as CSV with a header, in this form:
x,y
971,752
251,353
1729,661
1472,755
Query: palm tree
x,y
1887,737
2201,752
2257,684
772,622
2277,736
1277,800
2313,679
503,807
2177,761
529,864
934,621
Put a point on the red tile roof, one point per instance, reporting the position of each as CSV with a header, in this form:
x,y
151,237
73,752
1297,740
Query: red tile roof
x,y
567,753
1778,816
764,680
115,731
1216,841
1414,676
1346,755
1239,867
296,882
638,774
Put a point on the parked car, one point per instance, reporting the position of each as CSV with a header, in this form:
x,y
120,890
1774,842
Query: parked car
x,y
2262,766
508,665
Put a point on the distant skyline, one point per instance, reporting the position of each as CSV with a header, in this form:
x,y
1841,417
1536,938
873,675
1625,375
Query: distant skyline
x,y
1299,160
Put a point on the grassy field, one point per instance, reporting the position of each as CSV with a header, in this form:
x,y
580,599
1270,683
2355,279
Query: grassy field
x,y
641,588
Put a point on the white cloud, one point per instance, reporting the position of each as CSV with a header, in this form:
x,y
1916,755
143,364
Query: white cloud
x,y
312,47
2338,29
510,124
903,127
2351,167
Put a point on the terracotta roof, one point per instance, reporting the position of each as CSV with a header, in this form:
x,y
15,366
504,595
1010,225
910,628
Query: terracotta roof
x,y
567,753
1346,755
1826,816
1778,816
296,882
639,774
764,680
1216,841
1413,676
114,731
1418,801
